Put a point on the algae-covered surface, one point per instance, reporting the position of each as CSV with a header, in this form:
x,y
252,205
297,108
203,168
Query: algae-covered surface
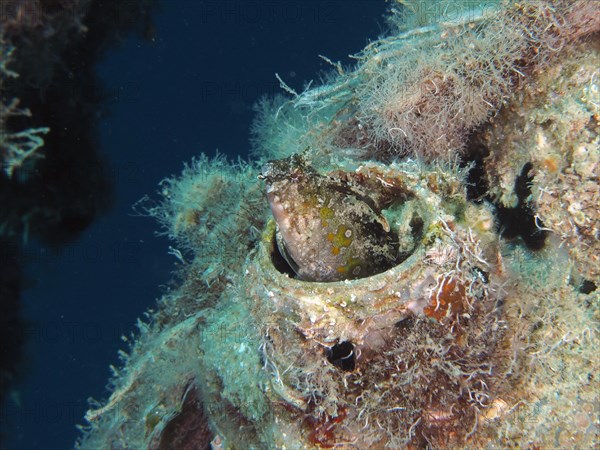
x,y
465,142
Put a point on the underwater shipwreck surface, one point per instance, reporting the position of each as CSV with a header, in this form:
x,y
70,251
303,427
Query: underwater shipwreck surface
x,y
410,259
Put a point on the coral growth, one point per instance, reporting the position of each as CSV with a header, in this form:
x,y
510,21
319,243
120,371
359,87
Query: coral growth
x,y
456,138
424,94
423,91
555,131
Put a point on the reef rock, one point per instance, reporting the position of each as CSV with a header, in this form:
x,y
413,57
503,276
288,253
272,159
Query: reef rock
x,y
392,297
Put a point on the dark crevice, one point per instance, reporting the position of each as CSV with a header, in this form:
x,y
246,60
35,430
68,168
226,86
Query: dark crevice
x,y
405,323
520,221
416,226
587,287
477,187
511,222
342,356
279,261
485,276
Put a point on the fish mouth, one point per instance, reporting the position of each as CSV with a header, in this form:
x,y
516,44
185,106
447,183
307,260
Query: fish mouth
x,y
283,251
287,237
277,208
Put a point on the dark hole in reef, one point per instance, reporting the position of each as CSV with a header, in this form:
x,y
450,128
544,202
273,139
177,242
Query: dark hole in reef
x,y
477,186
279,261
537,325
587,287
342,356
416,227
518,221
485,276
405,323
